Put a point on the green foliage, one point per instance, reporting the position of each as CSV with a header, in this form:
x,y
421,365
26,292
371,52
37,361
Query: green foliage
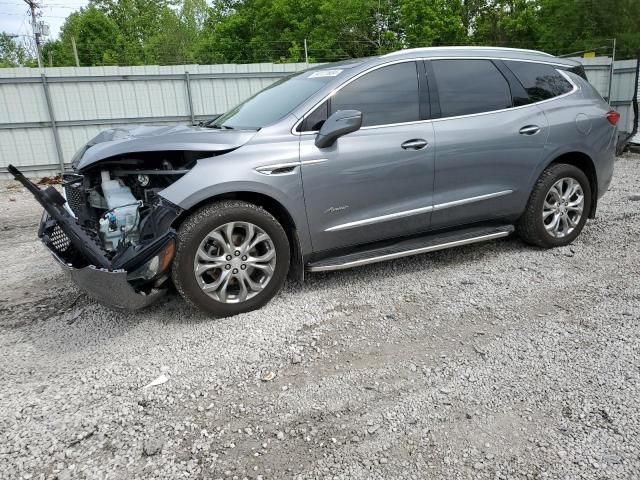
x,y
432,23
568,26
509,23
11,53
142,32
94,33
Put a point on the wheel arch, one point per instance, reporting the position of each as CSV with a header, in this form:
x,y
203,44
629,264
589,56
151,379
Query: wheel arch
x,y
275,208
585,163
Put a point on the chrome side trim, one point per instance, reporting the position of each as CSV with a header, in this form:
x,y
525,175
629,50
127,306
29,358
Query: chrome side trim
x,y
382,218
270,169
407,253
416,211
442,119
464,201
314,161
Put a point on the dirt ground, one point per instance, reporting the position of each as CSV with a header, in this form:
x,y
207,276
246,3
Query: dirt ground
x,y
494,360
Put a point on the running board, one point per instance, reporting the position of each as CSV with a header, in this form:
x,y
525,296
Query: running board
x,y
413,246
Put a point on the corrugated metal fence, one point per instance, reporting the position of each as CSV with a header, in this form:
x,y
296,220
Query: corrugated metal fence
x,y
48,114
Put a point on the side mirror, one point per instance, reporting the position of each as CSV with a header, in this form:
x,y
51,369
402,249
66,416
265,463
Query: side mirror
x,y
337,125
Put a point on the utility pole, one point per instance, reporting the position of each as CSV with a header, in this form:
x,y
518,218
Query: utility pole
x,y
36,28
613,61
306,53
75,51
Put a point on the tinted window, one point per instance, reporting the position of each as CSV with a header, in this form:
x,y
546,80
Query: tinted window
x,y
386,95
470,86
579,70
315,119
539,80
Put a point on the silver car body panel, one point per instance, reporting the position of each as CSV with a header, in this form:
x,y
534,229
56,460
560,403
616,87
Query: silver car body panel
x,y
366,188
120,141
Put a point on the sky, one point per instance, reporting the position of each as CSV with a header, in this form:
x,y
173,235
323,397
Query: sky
x,y
14,17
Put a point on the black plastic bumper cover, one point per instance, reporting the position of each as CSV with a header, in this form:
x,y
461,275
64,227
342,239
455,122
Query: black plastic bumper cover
x,y
110,288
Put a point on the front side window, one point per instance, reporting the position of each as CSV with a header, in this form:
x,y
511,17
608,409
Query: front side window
x,y
541,81
466,87
314,121
384,96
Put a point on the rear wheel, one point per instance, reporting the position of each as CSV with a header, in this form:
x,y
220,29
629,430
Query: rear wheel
x,y
558,207
232,257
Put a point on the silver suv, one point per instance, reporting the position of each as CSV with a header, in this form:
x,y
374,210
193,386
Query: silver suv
x,y
341,165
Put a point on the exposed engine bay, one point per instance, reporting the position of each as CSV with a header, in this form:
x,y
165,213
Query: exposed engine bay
x,y
111,216
116,199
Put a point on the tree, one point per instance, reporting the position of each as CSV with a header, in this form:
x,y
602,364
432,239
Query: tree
x,y
12,54
511,23
566,26
94,33
143,32
438,22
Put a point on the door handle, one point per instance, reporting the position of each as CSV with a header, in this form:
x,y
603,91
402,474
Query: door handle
x,y
415,144
529,130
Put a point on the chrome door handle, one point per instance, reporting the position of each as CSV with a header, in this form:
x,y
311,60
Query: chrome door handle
x,y
529,130
415,144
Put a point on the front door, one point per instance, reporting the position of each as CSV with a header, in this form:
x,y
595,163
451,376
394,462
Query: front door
x,y
375,183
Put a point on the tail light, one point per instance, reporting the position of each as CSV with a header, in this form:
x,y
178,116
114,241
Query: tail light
x,y
613,117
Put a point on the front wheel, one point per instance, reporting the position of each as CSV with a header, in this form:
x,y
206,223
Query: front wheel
x,y
232,257
558,207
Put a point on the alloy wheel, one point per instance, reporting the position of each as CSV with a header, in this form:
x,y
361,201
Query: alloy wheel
x,y
563,207
235,262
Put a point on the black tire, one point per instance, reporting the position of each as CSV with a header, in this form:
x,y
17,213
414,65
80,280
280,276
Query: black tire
x,y
194,230
531,227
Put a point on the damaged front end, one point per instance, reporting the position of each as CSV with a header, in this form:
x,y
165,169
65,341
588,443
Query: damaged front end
x,y
111,231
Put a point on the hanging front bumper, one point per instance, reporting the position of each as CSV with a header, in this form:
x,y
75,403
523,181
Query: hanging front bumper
x,y
110,288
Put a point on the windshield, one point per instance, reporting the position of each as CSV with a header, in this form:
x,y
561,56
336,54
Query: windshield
x,y
275,101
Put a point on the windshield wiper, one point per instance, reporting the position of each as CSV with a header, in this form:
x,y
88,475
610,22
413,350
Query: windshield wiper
x,y
219,127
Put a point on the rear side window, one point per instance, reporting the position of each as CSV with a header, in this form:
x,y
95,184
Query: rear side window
x,y
470,86
384,96
541,81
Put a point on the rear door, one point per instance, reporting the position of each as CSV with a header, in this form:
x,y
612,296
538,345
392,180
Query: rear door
x,y
375,183
489,140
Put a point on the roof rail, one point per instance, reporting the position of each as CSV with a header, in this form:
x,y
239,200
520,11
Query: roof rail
x,y
427,49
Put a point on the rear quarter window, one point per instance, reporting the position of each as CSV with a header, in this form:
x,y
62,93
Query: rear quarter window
x,y
541,81
578,70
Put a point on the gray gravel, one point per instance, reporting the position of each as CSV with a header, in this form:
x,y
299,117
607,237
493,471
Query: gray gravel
x,y
488,361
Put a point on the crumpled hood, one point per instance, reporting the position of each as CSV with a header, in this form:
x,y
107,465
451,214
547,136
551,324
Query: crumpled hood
x,y
118,141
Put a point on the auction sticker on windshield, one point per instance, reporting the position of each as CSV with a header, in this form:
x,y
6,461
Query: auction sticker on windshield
x,y
325,73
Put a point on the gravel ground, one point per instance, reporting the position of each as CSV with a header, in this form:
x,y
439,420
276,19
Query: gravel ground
x,y
495,360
